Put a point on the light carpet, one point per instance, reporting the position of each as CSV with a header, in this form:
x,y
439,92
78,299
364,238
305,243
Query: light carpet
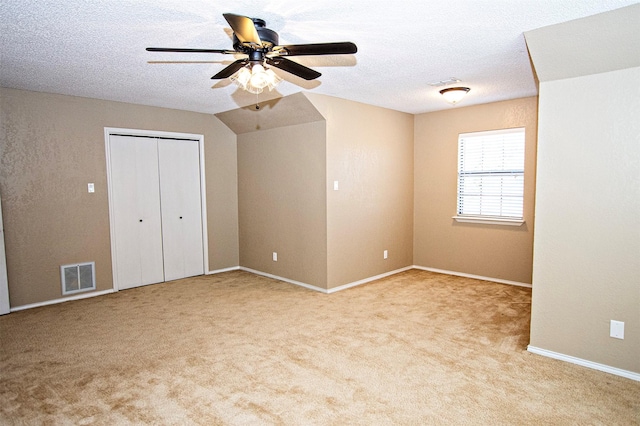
x,y
237,349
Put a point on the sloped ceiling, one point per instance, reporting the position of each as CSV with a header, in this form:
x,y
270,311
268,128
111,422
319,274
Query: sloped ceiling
x,y
280,112
96,49
604,42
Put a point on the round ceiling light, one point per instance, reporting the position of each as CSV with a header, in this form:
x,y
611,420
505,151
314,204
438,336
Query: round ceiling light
x,y
454,94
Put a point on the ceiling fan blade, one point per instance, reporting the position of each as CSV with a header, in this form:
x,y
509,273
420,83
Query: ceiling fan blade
x,y
231,69
171,49
243,28
293,68
342,48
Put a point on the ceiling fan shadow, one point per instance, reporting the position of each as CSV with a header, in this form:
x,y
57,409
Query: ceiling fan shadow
x,y
228,32
222,84
249,101
301,82
328,61
264,104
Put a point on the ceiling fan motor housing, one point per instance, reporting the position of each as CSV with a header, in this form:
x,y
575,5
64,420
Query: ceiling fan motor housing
x,y
268,37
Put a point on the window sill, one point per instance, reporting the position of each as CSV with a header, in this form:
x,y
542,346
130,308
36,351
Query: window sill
x,y
489,220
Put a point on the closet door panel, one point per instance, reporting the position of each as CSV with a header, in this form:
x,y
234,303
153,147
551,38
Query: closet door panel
x,y
136,207
179,165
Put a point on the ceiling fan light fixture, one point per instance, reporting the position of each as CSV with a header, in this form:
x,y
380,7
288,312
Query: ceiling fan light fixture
x,y
242,77
254,78
258,77
272,79
454,94
259,45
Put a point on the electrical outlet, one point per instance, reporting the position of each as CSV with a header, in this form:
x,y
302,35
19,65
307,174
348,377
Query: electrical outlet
x,y
275,256
336,186
616,329
385,254
91,188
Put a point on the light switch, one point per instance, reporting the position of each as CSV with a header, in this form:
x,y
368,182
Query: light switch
x,y
91,188
335,185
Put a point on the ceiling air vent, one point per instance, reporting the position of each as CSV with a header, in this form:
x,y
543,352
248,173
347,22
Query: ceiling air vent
x,y
78,277
451,80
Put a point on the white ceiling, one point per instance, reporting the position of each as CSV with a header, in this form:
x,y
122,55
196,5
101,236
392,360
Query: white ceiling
x,y
96,49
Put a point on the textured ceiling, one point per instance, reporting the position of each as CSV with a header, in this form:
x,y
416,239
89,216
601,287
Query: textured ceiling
x,y
96,49
592,45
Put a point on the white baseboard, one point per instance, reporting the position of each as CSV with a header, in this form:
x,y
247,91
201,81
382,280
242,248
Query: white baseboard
x,y
585,363
377,277
219,271
94,294
309,286
324,290
64,299
366,280
287,280
476,277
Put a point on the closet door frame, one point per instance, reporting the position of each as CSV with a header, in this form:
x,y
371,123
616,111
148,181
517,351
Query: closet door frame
x,y
108,131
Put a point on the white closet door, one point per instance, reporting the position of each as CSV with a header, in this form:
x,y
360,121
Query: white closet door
x,y
136,208
179,165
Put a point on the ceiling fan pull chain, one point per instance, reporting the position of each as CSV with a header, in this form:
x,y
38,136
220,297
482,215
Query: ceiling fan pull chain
x,y
257,102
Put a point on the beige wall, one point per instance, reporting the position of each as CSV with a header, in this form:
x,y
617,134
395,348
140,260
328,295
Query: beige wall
x,y
51,147
370,153
282,202
586,268
499,252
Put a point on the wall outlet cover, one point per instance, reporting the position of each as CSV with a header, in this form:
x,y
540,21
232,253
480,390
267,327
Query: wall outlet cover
x,y
616,329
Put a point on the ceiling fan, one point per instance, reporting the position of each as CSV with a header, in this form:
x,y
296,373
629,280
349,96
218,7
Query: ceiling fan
x,y
252,38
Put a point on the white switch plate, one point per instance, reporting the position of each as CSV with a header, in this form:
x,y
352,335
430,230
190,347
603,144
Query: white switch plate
x,y
275,256
91,187
335,185
385,254
617,329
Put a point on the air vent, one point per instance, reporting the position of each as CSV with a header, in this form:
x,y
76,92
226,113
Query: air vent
x,y
451,80
78,277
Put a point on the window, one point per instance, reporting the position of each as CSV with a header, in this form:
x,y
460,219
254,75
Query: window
x,y
491,177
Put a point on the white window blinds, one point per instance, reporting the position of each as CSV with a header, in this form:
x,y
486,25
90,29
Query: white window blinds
x,y
491,174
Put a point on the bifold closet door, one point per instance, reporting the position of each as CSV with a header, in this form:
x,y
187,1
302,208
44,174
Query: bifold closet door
x,y
180,195
136,206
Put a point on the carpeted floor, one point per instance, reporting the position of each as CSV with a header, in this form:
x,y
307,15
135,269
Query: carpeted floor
x,y
236,348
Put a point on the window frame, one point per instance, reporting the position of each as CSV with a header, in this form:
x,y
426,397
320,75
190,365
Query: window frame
x,y
490,219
